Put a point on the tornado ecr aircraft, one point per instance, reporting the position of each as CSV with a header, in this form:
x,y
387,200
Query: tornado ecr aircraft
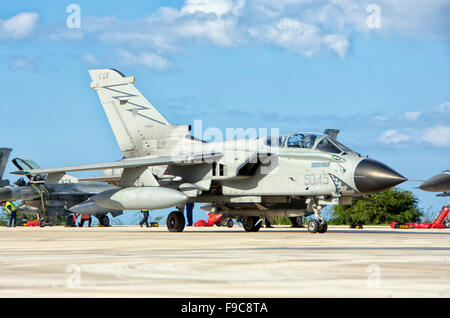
x,y
164,166
438,183
47,197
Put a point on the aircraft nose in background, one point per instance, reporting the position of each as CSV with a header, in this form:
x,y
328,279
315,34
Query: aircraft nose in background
x,y
373,176
438,183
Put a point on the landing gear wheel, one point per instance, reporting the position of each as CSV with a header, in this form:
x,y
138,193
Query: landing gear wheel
x,y
252,224
69,221
223,222
447,225
103,220
323,227
175,222
42,223
230,223
313,226
297,221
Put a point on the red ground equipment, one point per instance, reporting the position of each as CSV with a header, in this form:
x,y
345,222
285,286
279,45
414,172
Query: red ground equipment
x,y
32,223
212,219
441,222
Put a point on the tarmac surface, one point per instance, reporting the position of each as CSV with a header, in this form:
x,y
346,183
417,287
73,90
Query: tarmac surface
x,y
130,261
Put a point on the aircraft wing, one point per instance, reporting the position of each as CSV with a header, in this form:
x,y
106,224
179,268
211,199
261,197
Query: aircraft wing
x,y
108,179
129,163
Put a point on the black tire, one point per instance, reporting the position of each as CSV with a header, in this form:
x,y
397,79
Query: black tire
x,y
297,221
41,223
175,222
230,223
69,220
323,227
223,222
103,220
251,224
313,226
447,225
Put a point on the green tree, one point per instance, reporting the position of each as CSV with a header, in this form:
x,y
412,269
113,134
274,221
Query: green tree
x,y
393,205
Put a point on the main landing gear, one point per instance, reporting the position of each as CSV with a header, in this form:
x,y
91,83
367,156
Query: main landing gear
x,y
175,221
103,220
252,223
318,225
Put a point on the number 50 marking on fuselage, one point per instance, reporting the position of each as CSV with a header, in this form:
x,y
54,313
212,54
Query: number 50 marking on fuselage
x,y
316,179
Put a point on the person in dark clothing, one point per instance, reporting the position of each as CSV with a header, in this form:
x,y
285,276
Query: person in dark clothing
x,y
84,218
268,224
189,211
144,218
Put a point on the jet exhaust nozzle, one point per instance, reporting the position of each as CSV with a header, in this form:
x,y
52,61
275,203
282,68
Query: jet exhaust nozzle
x,y
372,176
139,198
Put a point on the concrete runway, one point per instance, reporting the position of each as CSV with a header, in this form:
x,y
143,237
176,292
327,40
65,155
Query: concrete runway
x,y
221,262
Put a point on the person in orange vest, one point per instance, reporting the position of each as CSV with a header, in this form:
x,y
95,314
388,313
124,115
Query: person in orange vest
x,y
85,217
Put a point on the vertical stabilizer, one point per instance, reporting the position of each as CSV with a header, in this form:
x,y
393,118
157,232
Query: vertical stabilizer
x,y
139,128
4,156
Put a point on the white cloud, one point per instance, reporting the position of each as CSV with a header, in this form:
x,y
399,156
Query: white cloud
x,y
300,37
438,136
307,27
217,7
20,63
338,43
90,58
19,26
414,115
443,108
380,118
393,136
150,60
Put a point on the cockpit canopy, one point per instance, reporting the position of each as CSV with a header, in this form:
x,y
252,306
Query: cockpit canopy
x,y
313,141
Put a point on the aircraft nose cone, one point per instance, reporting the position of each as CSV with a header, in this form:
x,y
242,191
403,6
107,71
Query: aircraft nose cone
x,y
373,176
5,194
438,183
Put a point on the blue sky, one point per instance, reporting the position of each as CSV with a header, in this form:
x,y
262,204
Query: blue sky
x,y
287,64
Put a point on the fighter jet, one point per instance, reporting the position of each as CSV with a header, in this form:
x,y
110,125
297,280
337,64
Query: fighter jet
x,y
438,183
49,197
165,166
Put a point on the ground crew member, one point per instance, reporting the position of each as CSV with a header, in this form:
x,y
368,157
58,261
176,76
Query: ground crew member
x,y
266,220
85,217
11,208
189,209
145,217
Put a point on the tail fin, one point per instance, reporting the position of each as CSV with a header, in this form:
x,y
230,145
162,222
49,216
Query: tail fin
x,y
139,128
4,156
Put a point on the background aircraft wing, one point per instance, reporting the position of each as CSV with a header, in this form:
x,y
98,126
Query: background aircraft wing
x,y
129,163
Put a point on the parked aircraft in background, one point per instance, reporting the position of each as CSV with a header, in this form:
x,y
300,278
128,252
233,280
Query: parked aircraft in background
x,y
47,196
438,183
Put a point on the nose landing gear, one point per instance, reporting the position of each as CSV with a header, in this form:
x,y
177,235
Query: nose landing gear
x,y
319,225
